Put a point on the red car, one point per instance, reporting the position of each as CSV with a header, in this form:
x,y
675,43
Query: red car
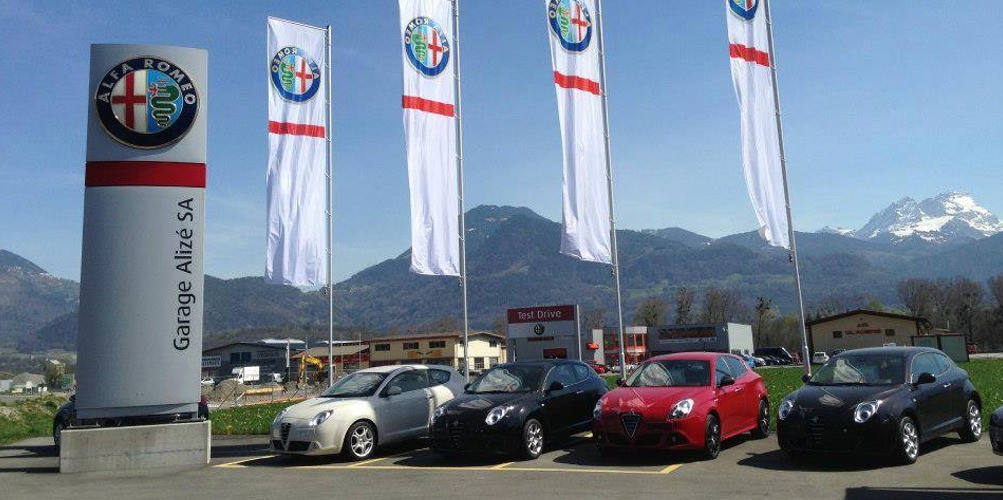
x,y
683,401
600,369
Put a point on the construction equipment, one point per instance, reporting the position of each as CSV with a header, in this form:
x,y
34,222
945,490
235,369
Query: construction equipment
x,y
318,375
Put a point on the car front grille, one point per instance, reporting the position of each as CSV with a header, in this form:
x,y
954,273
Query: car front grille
x,y
299,446
815,427
276,444
284,431
630,422
457,432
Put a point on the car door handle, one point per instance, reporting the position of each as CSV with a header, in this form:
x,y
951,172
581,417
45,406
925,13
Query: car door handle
x,y
580,392
947,385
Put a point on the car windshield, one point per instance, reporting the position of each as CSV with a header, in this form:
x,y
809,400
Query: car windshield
x,y
873,369
358,384
514,378
672,373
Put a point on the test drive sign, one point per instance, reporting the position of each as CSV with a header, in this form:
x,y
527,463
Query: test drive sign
x,y
529,322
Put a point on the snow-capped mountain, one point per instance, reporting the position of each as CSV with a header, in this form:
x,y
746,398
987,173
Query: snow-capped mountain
x,y
949,217
842,231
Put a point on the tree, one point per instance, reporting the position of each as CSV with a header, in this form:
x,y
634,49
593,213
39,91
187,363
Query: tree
x,y
764,313
965,299
684,306
996,290
721,306
919,296
54,371
594,319
651,312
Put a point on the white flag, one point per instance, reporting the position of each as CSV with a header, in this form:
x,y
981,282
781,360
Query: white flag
x,y
430,135
297,155
575,55
749,47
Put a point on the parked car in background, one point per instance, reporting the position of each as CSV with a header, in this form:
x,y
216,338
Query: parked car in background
x,y
996,431
66,417
885,400
819,358
599,368
364,410
208,382
683,401
778,354
517,408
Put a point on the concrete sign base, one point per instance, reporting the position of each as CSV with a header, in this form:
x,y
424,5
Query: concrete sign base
x,y
140,447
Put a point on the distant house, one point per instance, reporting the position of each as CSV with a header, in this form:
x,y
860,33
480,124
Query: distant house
x,y
30,382
6,385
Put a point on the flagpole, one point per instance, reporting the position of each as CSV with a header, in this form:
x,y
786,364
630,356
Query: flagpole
x,y
805,355
330,216
459,175
609,186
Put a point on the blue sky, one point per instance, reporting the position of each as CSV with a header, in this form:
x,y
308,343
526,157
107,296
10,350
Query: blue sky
x,y
881,100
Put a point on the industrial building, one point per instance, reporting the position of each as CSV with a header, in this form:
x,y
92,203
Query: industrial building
x,y
219,362
487,349
862,328
645,341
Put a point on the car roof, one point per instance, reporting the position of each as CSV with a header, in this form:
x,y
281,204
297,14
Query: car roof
x,y
542,362
691,356
895,351
391,368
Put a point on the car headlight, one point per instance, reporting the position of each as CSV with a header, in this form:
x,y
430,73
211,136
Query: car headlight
x,y
497,413
278,418
597,410
681,409
439,411
786,407
864,411
321,418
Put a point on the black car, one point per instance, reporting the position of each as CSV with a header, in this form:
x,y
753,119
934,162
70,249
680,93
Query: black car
x,y
884,400
66,416
516,408
778,355
996,431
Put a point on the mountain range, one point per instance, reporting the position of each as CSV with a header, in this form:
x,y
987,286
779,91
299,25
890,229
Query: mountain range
x,y
513,261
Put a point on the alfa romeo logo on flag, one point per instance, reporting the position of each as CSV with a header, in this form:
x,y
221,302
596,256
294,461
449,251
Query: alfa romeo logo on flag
x,y
295,74
571,22
146,102
746,9
426,46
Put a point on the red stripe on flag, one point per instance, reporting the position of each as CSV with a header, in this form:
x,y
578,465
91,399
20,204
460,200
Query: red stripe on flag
x,y
284,128
439,108
750,54
576,82
144,173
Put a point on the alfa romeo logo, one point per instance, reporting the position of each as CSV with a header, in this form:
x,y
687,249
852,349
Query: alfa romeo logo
x,y
746,9
539,329
571,22
426,46
295,75
146,102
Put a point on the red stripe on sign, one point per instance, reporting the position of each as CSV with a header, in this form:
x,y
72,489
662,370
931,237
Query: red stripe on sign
x,y
439,108
144,173
284,128
576,82
750,54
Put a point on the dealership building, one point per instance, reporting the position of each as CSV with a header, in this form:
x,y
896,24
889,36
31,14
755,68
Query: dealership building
x,y
487,349
862,328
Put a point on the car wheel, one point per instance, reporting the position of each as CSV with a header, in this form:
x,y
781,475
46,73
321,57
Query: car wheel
x,y
908,441
57,432
762,430
712,438
360,441
972,430
532,439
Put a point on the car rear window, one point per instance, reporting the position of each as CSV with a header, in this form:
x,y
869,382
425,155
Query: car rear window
x,y
737,366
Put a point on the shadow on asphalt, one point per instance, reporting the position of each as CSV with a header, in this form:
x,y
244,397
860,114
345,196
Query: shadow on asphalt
x,y
229,450
34,450
983,475
865,493
779,460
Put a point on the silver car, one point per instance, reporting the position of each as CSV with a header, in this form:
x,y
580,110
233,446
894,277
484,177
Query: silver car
x,y
370,407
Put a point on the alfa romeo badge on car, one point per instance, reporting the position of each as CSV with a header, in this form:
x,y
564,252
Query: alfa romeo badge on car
x,y
146,102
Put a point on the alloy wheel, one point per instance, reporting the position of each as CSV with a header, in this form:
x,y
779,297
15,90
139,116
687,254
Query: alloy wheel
x,y
57,433
534,437
974,420
910,440
362,441
712,445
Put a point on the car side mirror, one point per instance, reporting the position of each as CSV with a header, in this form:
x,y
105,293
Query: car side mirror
x,y
467,386
926,378
73,398
805,377
555,386
726,381
621,381
393,390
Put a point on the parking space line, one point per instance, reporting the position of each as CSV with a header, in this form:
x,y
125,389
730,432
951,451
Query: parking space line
x,y
502,466
237,464
669,469
499,468
370,461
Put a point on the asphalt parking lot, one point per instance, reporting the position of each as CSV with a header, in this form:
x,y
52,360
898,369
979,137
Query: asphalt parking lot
x,y
242,468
